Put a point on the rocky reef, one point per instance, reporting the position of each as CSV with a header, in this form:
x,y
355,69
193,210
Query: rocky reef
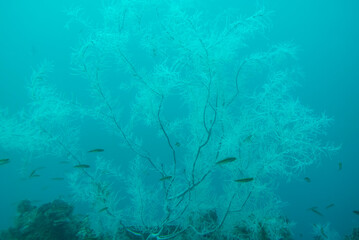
x,y
354,235
50,221
56,221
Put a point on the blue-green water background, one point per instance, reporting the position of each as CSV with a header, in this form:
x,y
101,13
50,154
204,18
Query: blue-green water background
x,y
327,33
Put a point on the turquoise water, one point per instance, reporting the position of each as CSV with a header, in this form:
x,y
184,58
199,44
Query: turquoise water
x,y
325,34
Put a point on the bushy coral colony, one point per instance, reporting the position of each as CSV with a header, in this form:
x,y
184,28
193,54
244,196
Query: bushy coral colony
x,y
203,124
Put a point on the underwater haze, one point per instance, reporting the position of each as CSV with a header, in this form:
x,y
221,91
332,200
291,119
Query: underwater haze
x,y
186,119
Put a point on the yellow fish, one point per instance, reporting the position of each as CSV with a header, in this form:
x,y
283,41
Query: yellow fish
x,y
82,166
226,160
96,150
314,209
248,138
165,178
103,209
244,180
34,174
329,206
64,162
4,161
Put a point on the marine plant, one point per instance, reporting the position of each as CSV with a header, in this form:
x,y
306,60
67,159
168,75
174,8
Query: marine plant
x,y
203,122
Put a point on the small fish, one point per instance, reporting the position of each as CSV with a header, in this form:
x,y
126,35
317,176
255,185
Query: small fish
x,y
82,166
226,160
244,180
96,150
4,161
248,138
307,179
323,233
314,209
329,206
64,162
33,174
340,166
178,144
165,178
356,212
57,178
103,209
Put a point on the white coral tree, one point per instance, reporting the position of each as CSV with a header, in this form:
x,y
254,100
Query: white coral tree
x,y
181,90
